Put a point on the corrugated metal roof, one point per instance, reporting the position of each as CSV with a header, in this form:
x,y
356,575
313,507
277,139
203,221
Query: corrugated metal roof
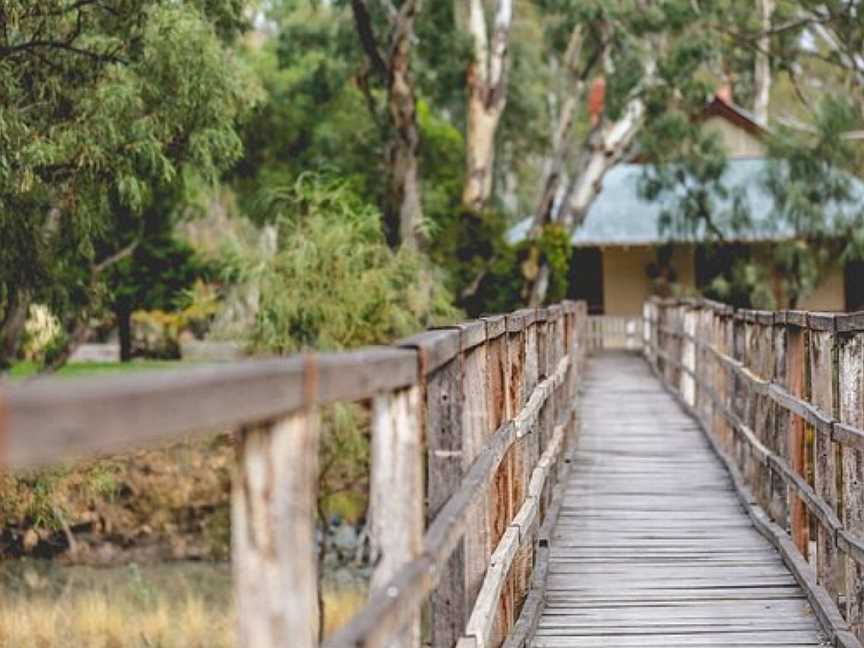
x,y
619,217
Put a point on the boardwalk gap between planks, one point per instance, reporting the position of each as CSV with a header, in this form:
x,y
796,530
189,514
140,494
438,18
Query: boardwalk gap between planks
x,y
652,548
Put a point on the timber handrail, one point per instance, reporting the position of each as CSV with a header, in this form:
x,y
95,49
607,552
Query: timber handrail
x,y
781,397
469,425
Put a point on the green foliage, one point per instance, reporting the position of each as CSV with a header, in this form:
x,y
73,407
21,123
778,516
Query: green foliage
x,y
556,250
92,137
334,283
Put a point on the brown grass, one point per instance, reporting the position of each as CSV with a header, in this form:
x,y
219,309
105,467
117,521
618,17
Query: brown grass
x,y
179,606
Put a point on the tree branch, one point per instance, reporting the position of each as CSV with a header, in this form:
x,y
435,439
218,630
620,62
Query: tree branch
x,y
363,21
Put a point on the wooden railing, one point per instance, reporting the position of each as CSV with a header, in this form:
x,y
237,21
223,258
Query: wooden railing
x,y
781,396
469,426
611,332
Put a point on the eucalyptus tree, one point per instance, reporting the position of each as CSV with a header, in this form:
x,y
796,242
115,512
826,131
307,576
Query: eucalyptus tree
x,y
620,44
486,82
106,103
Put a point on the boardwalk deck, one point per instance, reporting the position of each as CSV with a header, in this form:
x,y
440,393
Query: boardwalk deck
x,y
652,547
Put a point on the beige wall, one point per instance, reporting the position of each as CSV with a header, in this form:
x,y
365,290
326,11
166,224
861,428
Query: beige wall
x,y
829,295
737,141
626,285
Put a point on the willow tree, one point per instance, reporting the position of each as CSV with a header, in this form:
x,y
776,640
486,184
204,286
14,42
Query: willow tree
x,y
106,103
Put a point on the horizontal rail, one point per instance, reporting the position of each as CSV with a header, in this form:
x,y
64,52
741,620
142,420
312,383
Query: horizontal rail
x,y
58,418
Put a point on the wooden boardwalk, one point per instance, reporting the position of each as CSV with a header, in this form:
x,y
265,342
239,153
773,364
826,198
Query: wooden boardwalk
x,y
652,547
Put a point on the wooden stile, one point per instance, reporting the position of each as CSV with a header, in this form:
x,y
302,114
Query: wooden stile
x,y
273,533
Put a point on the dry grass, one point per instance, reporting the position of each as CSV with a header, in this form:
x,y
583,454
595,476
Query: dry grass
x,y
179,606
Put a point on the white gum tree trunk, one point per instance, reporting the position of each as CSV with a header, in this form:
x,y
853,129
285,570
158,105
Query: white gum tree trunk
x,y
487,98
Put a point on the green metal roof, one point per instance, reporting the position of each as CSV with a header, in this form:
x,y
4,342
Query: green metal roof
x,y
619,217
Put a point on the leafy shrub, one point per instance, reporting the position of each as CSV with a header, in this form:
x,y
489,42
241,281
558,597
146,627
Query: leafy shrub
x,y
333,282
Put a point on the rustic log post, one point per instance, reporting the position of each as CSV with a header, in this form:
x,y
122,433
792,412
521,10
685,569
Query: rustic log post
x,y
520,355
273,533
851,411
397,467
478,428
740,392
796,433
762,352
445,449
499,410
646,331
822,395
687,385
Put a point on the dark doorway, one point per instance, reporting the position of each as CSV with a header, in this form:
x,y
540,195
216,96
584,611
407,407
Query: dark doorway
x,y
586,278
715,262
853,279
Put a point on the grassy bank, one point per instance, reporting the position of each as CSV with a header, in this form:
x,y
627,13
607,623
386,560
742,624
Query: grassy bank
x,y
168,605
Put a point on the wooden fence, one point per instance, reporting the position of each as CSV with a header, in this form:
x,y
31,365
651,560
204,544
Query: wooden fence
x,y
781,395
469,426
610,332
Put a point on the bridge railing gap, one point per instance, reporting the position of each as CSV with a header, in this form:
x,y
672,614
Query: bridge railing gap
x,y
470,431
781,398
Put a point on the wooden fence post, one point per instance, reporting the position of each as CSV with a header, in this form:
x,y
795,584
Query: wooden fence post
x,y
796,436
478,429
273,533
499,409
851,406
446,447
397,467
822,395
688,355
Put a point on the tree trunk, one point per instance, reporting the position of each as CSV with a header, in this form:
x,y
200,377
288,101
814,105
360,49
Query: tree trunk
x,y
124,331
561,142
603,149
402,104
487,98
404,210
762,74
12,326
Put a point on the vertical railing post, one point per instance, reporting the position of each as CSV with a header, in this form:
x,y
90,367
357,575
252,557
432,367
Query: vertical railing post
x,y
822,395
795,350
446,445
527,455
397,467
851,411
499,410
761,353
690,318
482,377
273,533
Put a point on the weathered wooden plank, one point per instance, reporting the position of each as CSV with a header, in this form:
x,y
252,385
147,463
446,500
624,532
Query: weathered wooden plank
x,y
828,565
54,419
272,533
851,412
397,467
445,451
478,422
797,442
